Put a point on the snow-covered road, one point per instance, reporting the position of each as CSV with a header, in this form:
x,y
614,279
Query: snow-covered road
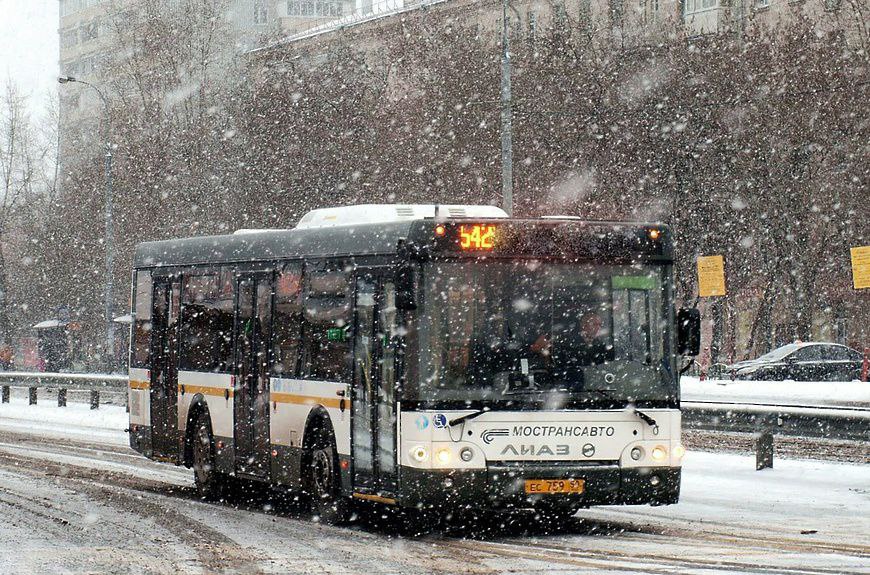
x,y
75,499
815,393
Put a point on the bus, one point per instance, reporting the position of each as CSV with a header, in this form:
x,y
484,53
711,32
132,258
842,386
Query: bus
x,y
419,356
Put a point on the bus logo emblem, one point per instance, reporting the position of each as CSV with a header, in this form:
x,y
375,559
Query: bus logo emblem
x,y
588,450
422,422
488,435
439,420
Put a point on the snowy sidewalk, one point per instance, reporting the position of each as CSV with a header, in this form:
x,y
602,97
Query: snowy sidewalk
x,y
76,421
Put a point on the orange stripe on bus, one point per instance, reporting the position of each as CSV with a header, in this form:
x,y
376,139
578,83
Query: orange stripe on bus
x,y
205,390
377,498
134,384
308,400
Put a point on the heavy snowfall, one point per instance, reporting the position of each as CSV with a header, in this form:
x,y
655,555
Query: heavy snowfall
x,y
434,286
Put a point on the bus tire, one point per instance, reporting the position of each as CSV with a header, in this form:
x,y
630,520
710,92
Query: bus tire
x,y
209,481
324,480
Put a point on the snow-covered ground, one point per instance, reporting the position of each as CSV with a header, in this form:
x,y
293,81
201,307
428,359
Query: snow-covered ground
x,y
712,482
76,421
827,393
802,516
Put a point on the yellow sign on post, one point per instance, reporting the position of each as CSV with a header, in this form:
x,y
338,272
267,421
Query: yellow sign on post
x,y
711,276
861,267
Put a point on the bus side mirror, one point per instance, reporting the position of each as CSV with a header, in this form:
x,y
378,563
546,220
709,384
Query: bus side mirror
x,y
688,332
406,286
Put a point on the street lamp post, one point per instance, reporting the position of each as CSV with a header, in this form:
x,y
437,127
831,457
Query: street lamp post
x,y
110,227
507,169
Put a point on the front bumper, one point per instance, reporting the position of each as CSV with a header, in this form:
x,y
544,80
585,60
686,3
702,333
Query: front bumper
x,y
503,486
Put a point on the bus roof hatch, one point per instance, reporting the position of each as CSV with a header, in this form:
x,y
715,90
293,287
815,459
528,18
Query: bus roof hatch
x,y
383,213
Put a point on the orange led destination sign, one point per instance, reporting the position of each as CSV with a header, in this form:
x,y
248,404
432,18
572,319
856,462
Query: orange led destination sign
x,y
477,237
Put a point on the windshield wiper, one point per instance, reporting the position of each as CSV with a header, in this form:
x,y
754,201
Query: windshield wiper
x,y
649,420
467,417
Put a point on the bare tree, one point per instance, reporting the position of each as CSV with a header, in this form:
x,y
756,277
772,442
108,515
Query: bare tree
x,y
752,147
20,167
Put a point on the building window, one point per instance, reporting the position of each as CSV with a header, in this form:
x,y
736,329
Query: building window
x,y
649,9
533,27
760,4
315,8
68,7
69,38
261,13
694,6
89,31
617,13
71,102
560,15
585,14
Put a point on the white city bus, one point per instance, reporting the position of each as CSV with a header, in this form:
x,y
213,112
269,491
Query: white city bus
x,y
420,356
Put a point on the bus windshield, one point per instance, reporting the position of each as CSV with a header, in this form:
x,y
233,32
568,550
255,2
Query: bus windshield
x,y
532,331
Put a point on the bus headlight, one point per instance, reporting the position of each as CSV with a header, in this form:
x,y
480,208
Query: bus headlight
x,y
679,451
420,454
466,454
443,456
636,453
659,453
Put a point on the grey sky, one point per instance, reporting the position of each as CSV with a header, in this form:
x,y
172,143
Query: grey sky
x,y
29,48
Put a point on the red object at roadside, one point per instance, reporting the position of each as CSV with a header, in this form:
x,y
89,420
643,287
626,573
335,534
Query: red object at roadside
x,y
866,366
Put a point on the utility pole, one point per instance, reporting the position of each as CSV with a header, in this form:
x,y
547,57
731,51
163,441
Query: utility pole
x,y
109,288
110,252
507,166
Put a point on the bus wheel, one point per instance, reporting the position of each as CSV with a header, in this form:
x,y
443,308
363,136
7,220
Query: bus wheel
x,y
209,482
325,483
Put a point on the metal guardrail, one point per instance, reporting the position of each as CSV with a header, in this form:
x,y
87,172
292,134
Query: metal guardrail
x,y
850,423
62,382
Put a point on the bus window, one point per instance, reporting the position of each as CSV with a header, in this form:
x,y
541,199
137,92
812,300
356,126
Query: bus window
x,y
287,321
206,324
636,300
142,320
386,411
327,324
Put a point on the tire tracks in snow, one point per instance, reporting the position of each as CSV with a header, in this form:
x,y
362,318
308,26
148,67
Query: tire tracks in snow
x,y
246,539
261,541
215,551
720,533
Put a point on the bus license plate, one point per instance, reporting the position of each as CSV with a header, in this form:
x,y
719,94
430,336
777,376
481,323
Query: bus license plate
x,y
534,486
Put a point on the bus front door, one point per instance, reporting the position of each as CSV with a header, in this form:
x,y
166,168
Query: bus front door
x,y
374,406
251,389
164,367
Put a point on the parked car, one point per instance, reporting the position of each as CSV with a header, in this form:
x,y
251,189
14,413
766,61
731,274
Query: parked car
x,y
809,361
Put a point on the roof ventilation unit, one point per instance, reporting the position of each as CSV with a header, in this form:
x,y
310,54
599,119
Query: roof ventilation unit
x,y
386,213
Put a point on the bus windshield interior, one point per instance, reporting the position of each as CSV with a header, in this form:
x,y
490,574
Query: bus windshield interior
x,y
531,331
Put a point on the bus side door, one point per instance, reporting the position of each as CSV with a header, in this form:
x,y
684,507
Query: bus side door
x,y
251,389
164,366
374,406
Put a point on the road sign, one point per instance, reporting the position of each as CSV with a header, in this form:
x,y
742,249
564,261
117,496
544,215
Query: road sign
x,y
861,267
711,276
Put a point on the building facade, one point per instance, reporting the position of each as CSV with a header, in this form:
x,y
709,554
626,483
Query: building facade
x,y
89,44
87,41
